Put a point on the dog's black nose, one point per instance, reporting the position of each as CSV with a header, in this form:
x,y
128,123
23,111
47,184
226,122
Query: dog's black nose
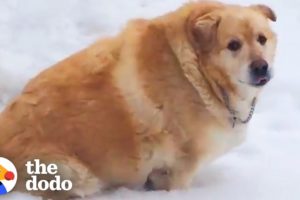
x,y
259,68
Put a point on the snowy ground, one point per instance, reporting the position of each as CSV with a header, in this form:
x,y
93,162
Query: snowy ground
x,y
35,34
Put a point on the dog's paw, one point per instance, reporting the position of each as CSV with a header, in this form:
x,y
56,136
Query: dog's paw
x,y
158,179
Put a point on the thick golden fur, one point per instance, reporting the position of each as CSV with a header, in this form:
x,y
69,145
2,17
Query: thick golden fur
x,y
144,104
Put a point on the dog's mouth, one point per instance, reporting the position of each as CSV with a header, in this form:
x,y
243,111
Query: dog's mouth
x,y
258,81
261,81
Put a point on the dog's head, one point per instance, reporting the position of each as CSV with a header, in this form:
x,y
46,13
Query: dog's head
x,y
238,41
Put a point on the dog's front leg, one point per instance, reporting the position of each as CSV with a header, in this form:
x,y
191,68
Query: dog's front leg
x,y
179,176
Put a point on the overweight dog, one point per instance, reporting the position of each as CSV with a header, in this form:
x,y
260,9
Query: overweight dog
x,y
149,106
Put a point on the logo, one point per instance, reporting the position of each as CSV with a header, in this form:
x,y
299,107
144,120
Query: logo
x,y
8,176
37,170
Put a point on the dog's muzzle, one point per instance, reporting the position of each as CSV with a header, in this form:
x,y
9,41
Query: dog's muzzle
x,y
259,73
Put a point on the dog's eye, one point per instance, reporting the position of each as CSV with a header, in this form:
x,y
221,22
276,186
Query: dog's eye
x,y
234,45
262,39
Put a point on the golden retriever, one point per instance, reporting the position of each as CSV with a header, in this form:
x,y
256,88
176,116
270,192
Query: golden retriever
x,y
148,107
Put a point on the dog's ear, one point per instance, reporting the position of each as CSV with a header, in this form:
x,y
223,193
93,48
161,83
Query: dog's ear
x,y
266,11
204,31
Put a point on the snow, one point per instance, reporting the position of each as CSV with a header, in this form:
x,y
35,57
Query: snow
x,y
35,34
